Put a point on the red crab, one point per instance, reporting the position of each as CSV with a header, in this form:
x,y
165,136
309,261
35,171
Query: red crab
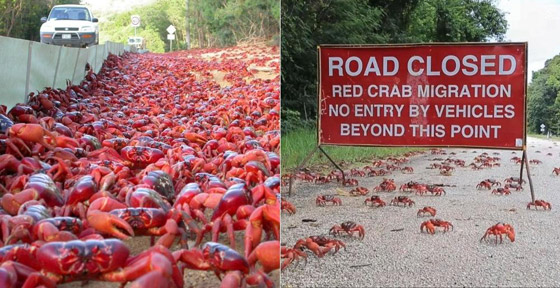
x,y
407,169
541,203
501,191
349,227
350,182
21,132
291,255
499,230
219,258
359,191
484,184
375,201
408,187
320,245
515,186
435,190
38,186
288,207
388,185
514,179
432,223
428,210
402,199
152,222
322,200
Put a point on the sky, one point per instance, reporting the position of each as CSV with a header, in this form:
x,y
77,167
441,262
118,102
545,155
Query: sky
x,y
536,22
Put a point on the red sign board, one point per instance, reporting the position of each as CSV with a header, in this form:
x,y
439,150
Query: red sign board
x,y
457,95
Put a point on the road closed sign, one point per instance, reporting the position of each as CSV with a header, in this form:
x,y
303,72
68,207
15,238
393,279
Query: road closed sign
x,y
454,95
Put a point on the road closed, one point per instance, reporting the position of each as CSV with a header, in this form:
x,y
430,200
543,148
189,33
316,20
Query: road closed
x,y
462,95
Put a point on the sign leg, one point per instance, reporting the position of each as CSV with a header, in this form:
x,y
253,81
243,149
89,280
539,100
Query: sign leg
x,y
334,163
528,175
299,167
522,163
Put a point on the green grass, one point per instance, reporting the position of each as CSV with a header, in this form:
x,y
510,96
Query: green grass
x,y
296,145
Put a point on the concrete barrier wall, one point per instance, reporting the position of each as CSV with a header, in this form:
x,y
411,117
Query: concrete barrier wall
x,y
27,66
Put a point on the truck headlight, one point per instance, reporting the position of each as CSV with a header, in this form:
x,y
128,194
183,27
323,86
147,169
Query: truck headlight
x,y
46,28
87,29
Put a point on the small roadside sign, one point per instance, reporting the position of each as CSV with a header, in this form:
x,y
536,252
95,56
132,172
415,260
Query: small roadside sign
x,y
170,36
171,29
135,20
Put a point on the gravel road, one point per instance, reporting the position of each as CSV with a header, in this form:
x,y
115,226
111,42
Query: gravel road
x,y
408,257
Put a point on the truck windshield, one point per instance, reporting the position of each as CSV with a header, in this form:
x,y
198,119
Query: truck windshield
x,y
69,13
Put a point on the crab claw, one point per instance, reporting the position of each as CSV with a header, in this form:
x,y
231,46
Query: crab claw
x,y
33,133
106,204
109,224
232,279
224,258
154,278
268,254
196,138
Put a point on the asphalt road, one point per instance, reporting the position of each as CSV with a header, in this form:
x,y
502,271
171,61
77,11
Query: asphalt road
x,y
394,253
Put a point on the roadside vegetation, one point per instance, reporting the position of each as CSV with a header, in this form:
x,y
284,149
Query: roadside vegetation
x,y
297,144
543,105
211,23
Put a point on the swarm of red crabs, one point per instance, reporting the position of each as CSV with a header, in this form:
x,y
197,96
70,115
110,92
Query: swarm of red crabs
x,y
323,245
150,145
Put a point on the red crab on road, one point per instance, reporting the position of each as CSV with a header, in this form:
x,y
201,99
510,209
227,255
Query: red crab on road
x,y
375,201
541,203
323,199
426,210
432,223
349,227
320,245
498,230
402,199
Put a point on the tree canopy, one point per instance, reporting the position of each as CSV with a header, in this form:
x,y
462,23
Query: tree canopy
x,y
305,24
212,23
543,105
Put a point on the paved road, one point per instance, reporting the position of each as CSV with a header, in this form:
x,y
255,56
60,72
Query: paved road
x,y
457,258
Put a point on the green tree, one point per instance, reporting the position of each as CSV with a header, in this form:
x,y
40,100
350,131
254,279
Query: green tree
x,y
213,23
305,24
457,21
543,105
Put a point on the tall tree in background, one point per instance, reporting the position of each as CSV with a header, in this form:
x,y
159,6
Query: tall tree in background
x,y
305,24
544,98
308,23
213,23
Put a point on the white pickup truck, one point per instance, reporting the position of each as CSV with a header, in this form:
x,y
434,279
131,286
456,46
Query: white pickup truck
x,y
70,25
